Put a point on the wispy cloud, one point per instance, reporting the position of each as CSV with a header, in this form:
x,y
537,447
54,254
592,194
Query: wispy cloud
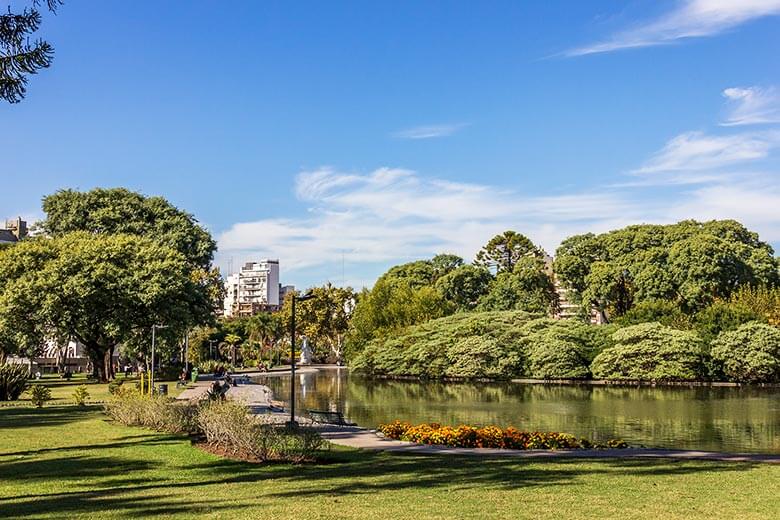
x,y
697,151
429,131
691,19
752,105
395,214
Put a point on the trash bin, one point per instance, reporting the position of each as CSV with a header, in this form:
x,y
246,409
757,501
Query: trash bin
x,y
194,375
162,389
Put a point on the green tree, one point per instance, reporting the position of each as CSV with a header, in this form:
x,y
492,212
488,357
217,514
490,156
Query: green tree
x,y
527,288
750,353
20,58
690,263
98,289
465,285
390,306
118,210
324,319
505,250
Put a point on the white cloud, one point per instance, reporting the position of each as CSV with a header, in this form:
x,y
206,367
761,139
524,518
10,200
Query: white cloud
x,y
429,131
752,105
696,151
691,19
394,215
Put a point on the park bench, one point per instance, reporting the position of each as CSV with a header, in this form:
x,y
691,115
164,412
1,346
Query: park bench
x,y
327,417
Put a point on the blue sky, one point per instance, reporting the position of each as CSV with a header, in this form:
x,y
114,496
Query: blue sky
x,y
316,132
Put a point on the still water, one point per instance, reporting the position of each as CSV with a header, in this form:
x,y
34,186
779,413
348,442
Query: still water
x,y
718,419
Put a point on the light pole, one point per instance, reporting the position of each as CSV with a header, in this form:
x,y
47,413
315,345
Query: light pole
x,y
292,423
151,374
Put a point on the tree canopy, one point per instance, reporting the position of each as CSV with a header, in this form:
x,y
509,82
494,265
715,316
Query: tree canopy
x,y
118,210
505,250
690,263
99,289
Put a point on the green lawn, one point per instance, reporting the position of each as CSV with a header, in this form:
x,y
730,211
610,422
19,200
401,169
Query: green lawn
x,y
62,390
66,462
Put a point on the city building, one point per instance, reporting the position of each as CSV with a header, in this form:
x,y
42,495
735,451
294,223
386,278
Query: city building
x,y
14,231
255,288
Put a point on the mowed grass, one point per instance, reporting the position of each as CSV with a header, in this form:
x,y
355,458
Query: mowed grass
x,y
62,389
70,462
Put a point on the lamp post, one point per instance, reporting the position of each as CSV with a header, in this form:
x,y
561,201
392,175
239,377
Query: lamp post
x,y
292,423
151,373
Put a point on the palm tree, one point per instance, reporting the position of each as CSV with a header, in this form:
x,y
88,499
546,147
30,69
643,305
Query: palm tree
x,y
264,329
233,340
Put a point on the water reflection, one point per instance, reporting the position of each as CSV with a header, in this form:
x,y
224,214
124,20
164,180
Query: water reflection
x,y
722,419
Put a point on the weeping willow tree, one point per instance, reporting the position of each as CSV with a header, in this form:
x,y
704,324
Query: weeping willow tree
x,y
19,56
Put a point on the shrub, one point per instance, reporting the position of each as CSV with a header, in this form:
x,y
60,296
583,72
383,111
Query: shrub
x,y
664,312
80,395
723,316
429,349
750,354
465,436
13,381
210,365
157,412
39,394
557,358
651,352
481,357
229,426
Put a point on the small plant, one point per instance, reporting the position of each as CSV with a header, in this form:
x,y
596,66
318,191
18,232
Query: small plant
x,y
13,381
115,386
39,394
80,395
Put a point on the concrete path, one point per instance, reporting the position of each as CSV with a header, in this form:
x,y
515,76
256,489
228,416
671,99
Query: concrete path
x,y
363,438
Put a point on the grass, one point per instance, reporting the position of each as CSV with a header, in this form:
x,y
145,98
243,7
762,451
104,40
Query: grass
x,y
70,462
62,389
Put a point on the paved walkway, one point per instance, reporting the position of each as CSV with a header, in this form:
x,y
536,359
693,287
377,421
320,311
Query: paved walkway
x,y
363,438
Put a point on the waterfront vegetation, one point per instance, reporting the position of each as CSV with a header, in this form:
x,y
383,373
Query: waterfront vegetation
x,y
59,461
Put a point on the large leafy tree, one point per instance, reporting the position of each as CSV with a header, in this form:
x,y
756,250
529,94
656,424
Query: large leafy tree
x,y
118,210
690,263
100,289
20,57
504,251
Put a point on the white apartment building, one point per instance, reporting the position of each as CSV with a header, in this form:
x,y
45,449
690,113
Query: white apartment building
x,y
255,288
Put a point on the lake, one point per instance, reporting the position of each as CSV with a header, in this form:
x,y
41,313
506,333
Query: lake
x,y
729,419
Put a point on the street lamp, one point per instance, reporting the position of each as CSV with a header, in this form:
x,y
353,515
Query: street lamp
x,y
292,423
151,374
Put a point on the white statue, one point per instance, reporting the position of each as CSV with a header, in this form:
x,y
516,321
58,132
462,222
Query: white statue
x,y
305,352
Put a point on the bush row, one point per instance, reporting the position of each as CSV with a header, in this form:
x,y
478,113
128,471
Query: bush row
x,y
510,438
501,345
227,426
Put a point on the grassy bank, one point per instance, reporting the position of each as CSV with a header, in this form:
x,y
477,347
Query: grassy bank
x,y
64,461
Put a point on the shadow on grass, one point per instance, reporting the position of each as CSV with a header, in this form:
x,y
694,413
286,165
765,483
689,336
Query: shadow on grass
x,y
154,481
26,417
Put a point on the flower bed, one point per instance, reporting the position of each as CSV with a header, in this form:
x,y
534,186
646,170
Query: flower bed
x,y
465,436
